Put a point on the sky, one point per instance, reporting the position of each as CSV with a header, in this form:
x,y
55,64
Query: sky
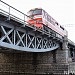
x,y
61,10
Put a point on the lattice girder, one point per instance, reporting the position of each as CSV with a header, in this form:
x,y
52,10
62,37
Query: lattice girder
x,y
16,38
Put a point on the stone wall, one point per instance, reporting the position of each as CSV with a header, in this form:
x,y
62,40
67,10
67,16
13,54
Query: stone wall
x,y
51,62
16,63
61,56
27,63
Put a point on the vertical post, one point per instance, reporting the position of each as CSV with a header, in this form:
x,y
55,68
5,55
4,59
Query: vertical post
x,y
9,14
26,39
14,36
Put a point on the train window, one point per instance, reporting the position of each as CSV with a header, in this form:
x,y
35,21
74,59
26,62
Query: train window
x,y
35,12
38,11
61,27
56,23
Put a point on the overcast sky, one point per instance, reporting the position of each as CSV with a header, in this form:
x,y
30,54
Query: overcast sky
x,y
61,10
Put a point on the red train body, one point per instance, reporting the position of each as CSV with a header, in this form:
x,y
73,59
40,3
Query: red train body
x,y
42,18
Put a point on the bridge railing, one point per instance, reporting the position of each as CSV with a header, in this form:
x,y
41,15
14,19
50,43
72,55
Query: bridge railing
x,y
12,12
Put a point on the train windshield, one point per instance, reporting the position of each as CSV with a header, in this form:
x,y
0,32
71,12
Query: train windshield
x,y
35,12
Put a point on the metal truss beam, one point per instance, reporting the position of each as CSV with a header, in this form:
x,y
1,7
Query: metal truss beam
x,y
19,40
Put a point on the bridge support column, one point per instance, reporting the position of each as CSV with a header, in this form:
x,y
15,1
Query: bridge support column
x,y
62,53
65,48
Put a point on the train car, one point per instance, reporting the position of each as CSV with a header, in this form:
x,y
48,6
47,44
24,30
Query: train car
x,y
41,19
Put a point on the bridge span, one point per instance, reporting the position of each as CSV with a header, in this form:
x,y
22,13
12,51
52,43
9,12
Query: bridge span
x,y
46,51
16,33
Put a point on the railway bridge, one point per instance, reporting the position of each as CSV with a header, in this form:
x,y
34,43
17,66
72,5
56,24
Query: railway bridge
x,y
25,49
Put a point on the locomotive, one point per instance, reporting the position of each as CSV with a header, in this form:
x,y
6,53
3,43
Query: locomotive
x,y
42,20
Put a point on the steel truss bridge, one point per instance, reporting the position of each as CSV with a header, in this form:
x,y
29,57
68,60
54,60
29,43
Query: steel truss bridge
x,y
16,33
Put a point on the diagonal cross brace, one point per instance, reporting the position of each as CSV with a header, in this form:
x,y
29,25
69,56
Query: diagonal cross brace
x,y
39,43
31,40
50,44
45,42
6,34
20,39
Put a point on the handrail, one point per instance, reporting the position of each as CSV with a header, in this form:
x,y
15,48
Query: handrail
x,y
13,7
16,10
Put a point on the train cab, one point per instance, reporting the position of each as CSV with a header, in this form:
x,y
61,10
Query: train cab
x,y
35,17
